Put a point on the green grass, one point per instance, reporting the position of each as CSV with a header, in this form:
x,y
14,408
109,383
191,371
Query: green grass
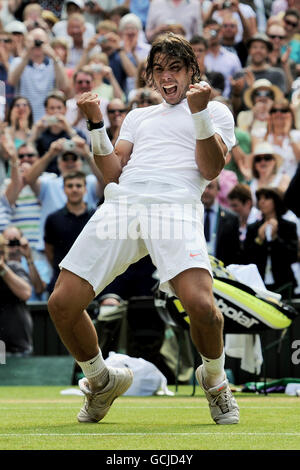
x,y
41,418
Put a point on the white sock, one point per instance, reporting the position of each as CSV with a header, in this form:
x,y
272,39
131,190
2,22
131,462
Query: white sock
x,y
213,370
95,370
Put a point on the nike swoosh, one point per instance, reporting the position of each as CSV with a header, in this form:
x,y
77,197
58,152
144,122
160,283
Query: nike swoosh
x,y
192,256
93,362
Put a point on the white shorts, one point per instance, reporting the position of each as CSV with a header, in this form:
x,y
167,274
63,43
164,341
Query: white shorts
x,y
155,218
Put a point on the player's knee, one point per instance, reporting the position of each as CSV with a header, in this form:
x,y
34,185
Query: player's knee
x,y
203,313
58,307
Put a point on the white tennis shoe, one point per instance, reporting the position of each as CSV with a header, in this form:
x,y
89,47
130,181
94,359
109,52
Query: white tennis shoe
x,y
96,405
223,406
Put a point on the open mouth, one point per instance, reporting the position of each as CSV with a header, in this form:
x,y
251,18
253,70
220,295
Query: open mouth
x,y
170,89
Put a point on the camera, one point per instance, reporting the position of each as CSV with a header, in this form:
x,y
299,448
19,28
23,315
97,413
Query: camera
x,y
213,33
69,145
97,67
14,242
227,4
51,120
101,39
38,42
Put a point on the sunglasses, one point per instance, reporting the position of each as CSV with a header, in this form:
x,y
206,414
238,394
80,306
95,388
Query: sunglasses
x,y
80,82
68,158
291,23
112,111
266,158
29,155
74,185
263,93
274,36
279,110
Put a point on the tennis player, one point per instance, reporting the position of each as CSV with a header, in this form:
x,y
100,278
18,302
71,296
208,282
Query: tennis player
x,y
164,157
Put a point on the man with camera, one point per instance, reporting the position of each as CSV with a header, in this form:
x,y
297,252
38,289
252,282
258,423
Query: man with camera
x,y
53,126
51,191
37,71
15,290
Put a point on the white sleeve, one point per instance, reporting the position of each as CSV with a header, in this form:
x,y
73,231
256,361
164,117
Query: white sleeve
x,y
223,122
128,127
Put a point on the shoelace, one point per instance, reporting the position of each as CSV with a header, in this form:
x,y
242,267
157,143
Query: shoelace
x,y
222,401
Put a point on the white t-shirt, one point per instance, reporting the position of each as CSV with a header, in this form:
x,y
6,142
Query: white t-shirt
x,y
164,144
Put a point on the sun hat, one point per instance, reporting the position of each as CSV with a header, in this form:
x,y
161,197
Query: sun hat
x,y
261,83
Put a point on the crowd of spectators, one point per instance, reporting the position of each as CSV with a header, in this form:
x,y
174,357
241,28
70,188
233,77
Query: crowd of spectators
x,y
53,51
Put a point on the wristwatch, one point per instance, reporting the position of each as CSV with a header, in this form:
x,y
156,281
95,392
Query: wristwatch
x,y
94,125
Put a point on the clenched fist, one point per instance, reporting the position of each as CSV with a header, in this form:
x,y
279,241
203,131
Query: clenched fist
x,y
198,96
89,104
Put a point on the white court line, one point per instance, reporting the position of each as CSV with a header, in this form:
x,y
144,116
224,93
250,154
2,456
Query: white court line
x,y
218,433
33,407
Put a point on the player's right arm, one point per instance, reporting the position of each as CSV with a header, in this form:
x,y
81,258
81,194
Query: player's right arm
x,y
108,159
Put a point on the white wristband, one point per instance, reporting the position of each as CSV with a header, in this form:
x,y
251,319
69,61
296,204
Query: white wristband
x,y
101,145
203,125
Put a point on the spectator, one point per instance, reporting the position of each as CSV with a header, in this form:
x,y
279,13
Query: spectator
x,y
116,111
291,22
75,29
200,47
265,166
15,289
291,196
140,8
217,58
283,136
117,13
72,6
130,29
120,61
32,17
278,58
98,10
50,192
53,126
21,252
105,83
241,202
18,31
37,72
272,243
229,31
19,120
221,227
83,80
243,13
64,225
259,47
6,56
50,19
162,13
259,98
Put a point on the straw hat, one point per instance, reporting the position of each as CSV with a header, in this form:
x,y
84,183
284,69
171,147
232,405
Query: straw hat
x,y
261,83
265,148
48,15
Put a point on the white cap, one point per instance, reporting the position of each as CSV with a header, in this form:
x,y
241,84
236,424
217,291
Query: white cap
x,y
15,27
79,3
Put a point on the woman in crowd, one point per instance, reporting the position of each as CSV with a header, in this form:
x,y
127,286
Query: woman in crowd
x,y
19,120
265,165
271,243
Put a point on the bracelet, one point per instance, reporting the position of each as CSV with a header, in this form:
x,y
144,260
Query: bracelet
x,y
101,145
203,125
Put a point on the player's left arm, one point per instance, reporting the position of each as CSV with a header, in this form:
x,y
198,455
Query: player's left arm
x,y
211,150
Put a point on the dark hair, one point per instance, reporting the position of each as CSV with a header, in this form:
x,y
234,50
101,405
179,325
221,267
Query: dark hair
x,y
28,144
57,95
9,110
240,191
75,174
276,195
216,80
172,45
85,70
292,12
120,11
198,40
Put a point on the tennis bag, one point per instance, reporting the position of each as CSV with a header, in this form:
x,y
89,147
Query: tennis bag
x,y
245,309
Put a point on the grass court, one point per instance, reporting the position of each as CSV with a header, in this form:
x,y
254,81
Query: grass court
x,y
40,418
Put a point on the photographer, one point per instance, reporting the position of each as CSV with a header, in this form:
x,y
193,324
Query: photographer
x,y
15,290
37,71
53,126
